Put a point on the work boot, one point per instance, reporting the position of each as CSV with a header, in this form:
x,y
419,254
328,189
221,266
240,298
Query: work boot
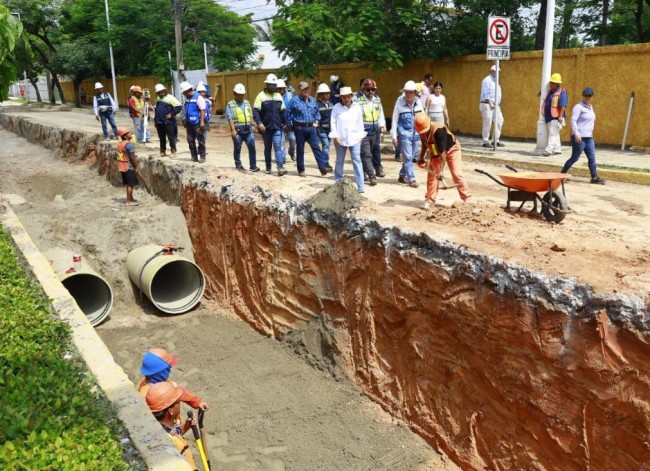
x,y
325,170
281,171
163,154
302,174
241,169
268,170
255,169
195,158
373,181
488,145
173,153
379,170
597,180
413,184
293,157
402,179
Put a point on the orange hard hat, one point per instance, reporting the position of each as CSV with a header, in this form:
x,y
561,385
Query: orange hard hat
x,y
162,395
165,355
122,132
137,88
422,123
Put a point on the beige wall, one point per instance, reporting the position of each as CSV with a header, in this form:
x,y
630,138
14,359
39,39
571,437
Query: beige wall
x,y
614,72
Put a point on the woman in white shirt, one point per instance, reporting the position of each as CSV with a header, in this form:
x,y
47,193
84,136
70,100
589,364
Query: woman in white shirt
x,y
436,105
347,132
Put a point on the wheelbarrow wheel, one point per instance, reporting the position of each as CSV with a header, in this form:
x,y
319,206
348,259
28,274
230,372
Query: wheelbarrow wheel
x,y
554,206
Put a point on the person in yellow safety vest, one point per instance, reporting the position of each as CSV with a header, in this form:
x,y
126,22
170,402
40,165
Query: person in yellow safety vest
x,y
239,114
553,108
442,146
136,111
156,367
374,124
164,401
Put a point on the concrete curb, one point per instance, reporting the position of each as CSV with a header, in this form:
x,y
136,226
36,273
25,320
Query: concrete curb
x,y
156,448
626,176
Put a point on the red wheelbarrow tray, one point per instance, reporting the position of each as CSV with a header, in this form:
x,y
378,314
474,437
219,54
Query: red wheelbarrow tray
x,y
533,182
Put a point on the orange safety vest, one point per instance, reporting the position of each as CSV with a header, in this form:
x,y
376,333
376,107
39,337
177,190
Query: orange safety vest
x,y
431,142
555,109
122,158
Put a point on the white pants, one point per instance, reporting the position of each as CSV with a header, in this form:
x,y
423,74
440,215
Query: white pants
x,y
553,144
487,113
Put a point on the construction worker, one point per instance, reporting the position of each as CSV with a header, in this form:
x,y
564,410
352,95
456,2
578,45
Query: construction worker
x,y
136,111
164,401
268,111
442,146
287,95
105,109
156,367
347,132
239,114
403,131
374,123
167,108
303,118
203,91
490,107
553,109
127,164
325,110
335,87
194,121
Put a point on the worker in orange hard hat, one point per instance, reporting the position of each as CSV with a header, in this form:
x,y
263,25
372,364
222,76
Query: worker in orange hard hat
x,y
156,367
442,146
164,400
127,164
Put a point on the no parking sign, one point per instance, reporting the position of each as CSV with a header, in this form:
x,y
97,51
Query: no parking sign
x,y
498,38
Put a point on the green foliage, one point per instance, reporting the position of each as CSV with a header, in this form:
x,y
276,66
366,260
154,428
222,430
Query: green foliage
x,y
10,31
78,59
53,416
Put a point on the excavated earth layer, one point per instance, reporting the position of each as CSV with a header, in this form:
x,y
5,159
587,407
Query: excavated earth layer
x,y
499,366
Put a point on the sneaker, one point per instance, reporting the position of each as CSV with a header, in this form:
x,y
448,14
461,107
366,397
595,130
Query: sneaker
x,y
293,157
499,144
302,174
414,184
597,181
557,152
325,170
281,171
402,179
255,169
379,171
361,191
546,153
329,169
268,170
426,205
398,158
241,169
202,161
488,145
373,181
194,159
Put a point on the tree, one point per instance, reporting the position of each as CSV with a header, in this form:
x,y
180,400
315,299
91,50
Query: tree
x,y
10,31
78,59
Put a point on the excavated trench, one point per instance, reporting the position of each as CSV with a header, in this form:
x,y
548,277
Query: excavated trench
x,y
499,366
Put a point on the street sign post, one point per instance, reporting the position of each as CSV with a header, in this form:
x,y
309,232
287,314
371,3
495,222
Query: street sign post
x,y
498,49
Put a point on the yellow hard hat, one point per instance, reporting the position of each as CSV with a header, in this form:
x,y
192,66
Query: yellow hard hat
x,y
556,78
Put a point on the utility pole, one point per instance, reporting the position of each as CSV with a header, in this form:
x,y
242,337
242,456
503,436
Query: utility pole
x,y
547,64
180,63
110,50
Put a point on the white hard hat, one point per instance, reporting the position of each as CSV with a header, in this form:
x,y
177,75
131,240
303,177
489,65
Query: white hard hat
x,y
333,78
185,86
131,88
98,85
280,84
239,88
160,87
323,88
410,86
201,88
271,78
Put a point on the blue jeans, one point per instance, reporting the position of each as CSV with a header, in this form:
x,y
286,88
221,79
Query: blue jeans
x,y
409,146
355,153
291,137
249,139
138,123
108,115
308,134
273,137
324,138
587,145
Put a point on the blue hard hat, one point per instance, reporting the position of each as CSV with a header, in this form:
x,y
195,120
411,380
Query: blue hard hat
x,y
152,364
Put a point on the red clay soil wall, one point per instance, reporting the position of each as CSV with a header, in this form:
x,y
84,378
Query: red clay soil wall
x,y
495,379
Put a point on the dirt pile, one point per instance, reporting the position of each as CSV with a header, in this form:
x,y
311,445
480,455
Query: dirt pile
x,y
340,198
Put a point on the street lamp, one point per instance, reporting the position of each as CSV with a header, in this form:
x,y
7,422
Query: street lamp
x,y
110,50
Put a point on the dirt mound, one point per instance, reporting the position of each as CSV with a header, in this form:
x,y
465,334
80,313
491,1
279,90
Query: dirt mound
x,y
341,197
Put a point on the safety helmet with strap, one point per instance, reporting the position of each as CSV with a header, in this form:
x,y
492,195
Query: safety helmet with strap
x,y
162,395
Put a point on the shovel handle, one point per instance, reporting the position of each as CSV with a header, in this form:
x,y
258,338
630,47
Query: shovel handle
x,y
195,429
201,415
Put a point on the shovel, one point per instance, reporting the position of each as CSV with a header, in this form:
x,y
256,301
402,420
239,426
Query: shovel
x,y
203,435
199,443
441,178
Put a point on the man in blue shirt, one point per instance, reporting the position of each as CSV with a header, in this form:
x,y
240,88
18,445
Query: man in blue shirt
x,y
303,118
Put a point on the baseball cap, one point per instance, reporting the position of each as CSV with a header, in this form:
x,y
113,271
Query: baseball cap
x,y
303,85
494,68
588,91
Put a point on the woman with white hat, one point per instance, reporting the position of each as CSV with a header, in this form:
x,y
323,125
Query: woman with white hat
x,y
403,131
346,130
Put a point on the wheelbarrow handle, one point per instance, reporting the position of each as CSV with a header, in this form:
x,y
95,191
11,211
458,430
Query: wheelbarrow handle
x,y
511,168
478,170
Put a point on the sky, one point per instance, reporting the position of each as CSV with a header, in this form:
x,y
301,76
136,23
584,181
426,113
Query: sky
x,y
260,8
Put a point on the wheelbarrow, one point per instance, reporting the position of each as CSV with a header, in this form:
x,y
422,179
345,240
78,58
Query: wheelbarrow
x,y
525,186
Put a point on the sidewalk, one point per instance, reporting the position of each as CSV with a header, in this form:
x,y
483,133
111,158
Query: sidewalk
x,y
613,164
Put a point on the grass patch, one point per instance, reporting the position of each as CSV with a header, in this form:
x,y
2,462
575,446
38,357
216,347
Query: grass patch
x,y
624,169
54,415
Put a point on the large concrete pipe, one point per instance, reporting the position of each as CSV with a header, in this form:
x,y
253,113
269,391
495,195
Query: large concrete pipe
x,y
172,283
91,292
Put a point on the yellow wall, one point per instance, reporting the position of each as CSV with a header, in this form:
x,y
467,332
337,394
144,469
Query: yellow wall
x,y
123,85
613,71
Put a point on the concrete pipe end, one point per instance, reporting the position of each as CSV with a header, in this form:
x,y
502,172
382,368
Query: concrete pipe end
x,y
92,294
177,287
